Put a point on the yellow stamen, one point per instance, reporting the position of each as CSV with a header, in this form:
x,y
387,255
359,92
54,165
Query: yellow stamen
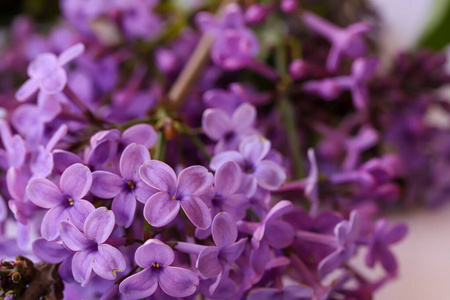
x,y
70,201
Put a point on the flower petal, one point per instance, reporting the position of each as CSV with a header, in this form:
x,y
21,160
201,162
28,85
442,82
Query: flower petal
x,y
54,82
232,252
140,285
255,148
52,222
44,193
124,207
223,157
106,184
74,239
50,252
159,175
244,116
143,192
224,230
102,153
99,224
82,263
194,180
279,234
108,261
278,210
160,209
270,175
132,158
216,123
178,282
197,211
154,251
79,212
208,262
70,54
63,159
142,134
27,89
396,233
227,178
76,181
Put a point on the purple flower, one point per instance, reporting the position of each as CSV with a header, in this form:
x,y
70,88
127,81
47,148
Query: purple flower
x,y
256,171
127,188
228,131
156,257
290,292
163,206
384,236
47,73
64,202
91,251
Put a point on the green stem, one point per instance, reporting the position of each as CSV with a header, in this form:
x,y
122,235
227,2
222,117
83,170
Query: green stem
x,y
160,147
7,272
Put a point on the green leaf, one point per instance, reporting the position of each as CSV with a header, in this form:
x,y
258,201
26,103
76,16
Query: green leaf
x,y
437,33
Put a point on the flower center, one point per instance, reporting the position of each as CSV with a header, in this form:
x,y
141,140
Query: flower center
x,y
70,201
156,264
131,184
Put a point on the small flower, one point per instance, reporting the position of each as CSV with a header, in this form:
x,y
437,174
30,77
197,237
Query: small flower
x,y
47,73
91,251
156,257
289,292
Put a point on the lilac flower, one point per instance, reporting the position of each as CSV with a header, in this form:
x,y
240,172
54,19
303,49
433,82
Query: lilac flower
x,y
289,6
64,202
91,251
257,13
47,74
290,292
127,188
228,132
163,206
15,149
156,257
382,238
256,171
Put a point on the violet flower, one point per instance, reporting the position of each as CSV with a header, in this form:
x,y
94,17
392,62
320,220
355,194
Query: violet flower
x,y
156,257
91,251
163,206
47,73
126,188
64,202
290,292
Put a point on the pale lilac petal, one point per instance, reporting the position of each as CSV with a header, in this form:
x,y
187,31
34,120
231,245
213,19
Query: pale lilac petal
x,y
194,180
49,107
74,239
42,65
140,285
99,224
243,117
216,123
108,261
124,207
278,210
41,162
178,282
142,134
63,159
56,137
143,192
154,251
270,175
50,252
132,158
279,234
224,230
255,148
76,181
52,222
54,82
208,262
223,157
82,263
227,178
79,211
70,54
232,252
249,185
159,175
27,89
44,193
106,185
197,211
160,209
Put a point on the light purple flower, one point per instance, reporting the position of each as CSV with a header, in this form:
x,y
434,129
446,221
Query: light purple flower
x,y
91,251
156,257
64,202
47,73
163,207
126,188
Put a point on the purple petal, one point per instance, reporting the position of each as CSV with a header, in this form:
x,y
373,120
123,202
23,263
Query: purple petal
x,y
160,209
44,193
278,210
27,89
197,211
108,261
232,252
263,294
243,117
52,221
82,263
178,282
255,148
159,175
124,207
396,233
41,162
269,175
279,234
227,178
216,123
140,285
76,181
208,262
49,106
102,153
388,261
99,224
74,239
106,185
50,252
42,65
54,82
224,230
132,158
65,270
70,54
79,212
154,251
194,180
259,258
142,134
63,159
223,157
56,137
143,192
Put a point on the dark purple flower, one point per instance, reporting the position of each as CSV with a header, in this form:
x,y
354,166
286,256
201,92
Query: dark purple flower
x,y
156,257
163,206
290,292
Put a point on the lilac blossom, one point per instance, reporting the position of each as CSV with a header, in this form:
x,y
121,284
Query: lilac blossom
x,y
156,259
91,251
290,292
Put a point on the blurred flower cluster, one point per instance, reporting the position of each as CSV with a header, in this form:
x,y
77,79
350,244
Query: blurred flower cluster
x,y
211,150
